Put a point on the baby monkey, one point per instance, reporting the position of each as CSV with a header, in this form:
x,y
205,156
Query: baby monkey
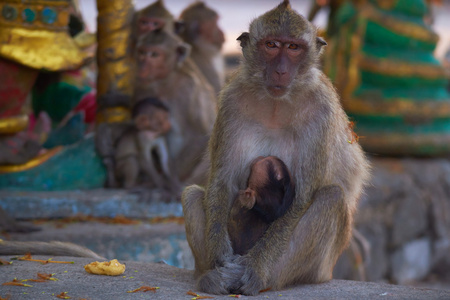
x,y
269,194
142,148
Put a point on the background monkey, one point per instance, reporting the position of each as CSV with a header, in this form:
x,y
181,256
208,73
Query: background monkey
x,y
202,32
164,72
280,104
142,148
154,16
269,194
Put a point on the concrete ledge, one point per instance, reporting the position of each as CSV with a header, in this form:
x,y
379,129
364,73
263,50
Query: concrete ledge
x,y
142,242
173,283
97,203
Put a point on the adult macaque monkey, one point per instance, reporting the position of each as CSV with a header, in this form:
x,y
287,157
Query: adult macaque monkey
x,y
279,104
269,193
153,17
163,72
201,31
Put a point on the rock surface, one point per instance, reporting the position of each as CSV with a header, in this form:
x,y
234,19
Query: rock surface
x,y
405,216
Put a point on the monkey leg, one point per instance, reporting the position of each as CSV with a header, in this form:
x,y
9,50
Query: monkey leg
x,y
213,281
195,223
191,160
319,238
127,168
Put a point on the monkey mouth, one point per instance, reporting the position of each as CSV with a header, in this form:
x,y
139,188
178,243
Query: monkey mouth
x,y
277,90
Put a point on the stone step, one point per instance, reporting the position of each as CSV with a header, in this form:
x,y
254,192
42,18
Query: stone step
x,y
98,202
144,241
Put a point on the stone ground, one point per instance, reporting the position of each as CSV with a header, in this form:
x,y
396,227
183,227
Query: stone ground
x,y
172,283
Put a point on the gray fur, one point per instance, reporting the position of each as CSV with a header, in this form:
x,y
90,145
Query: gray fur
x,y
46,248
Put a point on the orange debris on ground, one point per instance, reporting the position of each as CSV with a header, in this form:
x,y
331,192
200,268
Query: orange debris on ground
x,y
28,257
63,295
16,283
144,289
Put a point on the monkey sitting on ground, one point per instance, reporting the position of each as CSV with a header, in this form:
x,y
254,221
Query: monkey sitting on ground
x,y
142,148
278,103
269,194
164,71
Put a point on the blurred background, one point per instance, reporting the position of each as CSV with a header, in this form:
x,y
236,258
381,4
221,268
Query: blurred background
x,y
235,16
66,98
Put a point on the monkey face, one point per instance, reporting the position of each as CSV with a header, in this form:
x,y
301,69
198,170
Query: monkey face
x,y
153,63
280,49
156,121
282,57
160,121
147,24
211,32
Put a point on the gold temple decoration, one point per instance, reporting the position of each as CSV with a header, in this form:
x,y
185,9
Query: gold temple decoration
x,y
396,143
398,107
400,27
396,68
113,57
31,163
386,4
11,125
113,115
34,33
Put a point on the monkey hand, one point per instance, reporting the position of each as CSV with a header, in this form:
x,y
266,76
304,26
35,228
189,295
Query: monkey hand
x,y
222,280
222,254
251,282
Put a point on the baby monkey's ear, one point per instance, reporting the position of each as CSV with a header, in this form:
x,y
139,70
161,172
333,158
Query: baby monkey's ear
x,y
247,198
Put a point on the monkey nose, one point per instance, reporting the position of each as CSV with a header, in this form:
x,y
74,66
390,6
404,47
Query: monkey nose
x,y
281,73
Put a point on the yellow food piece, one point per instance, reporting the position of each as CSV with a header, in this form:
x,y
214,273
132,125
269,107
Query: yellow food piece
x,y
111,268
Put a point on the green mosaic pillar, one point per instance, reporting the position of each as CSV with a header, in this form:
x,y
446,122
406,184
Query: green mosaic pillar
x,y
391,85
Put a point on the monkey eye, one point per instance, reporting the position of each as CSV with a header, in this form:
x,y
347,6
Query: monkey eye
x,y
271,44
293,46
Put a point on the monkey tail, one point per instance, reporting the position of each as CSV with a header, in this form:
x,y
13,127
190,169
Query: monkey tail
x,y
46,248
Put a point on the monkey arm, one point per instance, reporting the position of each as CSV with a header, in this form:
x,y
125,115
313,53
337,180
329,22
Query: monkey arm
x,y
219,197
218,243
204,112
201,104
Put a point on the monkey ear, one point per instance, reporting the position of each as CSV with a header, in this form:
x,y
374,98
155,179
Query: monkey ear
x,y
180,27
320,42
193,30
183,52
247,198
244,39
